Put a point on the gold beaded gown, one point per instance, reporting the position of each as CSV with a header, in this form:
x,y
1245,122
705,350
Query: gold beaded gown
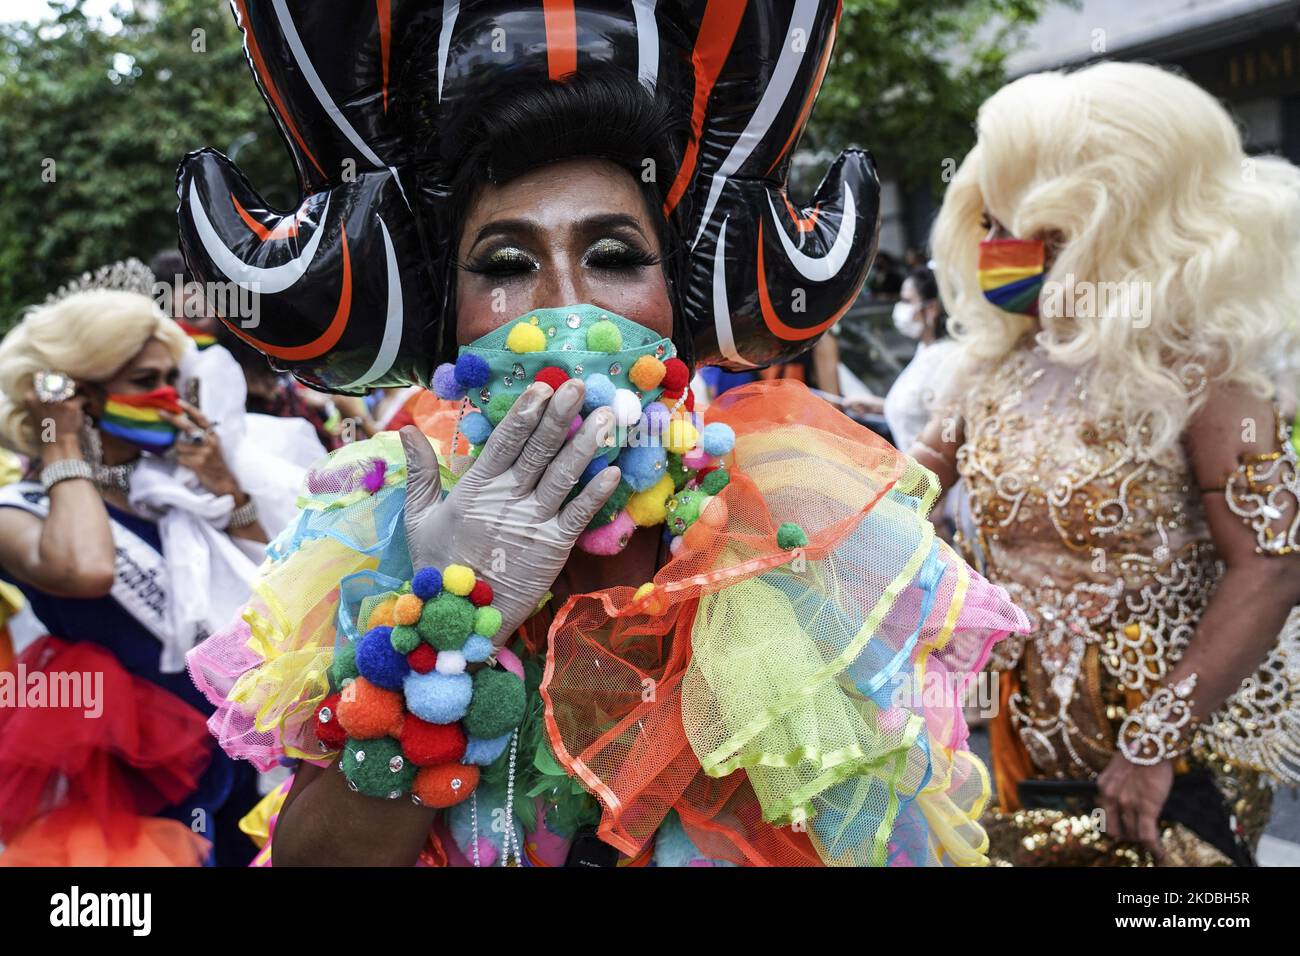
x,y
1105,546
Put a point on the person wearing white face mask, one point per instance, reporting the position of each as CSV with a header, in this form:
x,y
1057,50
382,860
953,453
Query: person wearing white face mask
x,y
918,314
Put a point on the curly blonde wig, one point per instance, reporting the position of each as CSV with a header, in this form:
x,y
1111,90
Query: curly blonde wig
x,y
1135,176
88,335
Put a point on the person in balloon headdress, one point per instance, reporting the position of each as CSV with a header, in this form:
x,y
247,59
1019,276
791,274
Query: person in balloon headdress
x,y
568,619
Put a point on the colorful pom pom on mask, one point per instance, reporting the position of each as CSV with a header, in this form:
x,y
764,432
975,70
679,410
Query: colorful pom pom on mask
x,y
552,375
604,336
647,372
600,392
526,337
472,371
627,408
642,465
608,539
680,437
717,439
476,428
676,375
499,407
650,507
613,505
445,385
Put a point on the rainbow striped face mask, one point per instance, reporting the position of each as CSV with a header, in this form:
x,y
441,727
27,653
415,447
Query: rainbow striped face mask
x,y
1011,274
137,419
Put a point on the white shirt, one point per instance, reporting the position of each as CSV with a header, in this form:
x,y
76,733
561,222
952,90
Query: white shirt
x,y
917,389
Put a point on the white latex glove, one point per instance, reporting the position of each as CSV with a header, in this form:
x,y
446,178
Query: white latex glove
x,y
506,518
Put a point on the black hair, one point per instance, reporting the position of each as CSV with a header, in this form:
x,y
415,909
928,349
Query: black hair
x,y
598,114
255,365
927,286
167,264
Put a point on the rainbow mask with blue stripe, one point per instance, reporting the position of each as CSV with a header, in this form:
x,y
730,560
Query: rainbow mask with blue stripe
x,y
1011,274
138,418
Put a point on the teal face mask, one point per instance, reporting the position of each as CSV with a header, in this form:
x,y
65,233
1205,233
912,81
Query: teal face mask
x,y
609,353
661,442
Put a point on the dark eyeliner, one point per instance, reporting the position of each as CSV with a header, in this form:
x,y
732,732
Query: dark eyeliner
x,y
507,261
615,253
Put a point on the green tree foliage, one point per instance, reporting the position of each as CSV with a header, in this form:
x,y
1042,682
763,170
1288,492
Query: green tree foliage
x,y
108,118
908,76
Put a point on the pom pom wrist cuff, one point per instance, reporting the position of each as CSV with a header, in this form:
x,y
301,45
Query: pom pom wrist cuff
x,y
404,710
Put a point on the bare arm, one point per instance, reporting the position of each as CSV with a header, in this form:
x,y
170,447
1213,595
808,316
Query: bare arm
x,y
936,449
1243,618
826,363
71,552
323,823
1257,592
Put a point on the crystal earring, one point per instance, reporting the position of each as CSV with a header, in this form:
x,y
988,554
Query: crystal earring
x,y
92,449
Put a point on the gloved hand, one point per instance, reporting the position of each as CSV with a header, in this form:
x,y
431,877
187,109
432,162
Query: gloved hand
x,y
506,518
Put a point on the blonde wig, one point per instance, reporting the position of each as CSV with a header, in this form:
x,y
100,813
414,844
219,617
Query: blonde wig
x,y
88,335
1136,176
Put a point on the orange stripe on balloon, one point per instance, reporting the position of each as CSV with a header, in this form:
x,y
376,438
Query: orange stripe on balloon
x,y
787,332
811,98
260,65
286,227
385,14
327,339
803,225
561,37
718,31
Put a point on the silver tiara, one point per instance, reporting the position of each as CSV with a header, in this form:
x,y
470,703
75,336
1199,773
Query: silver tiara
x,y
129,275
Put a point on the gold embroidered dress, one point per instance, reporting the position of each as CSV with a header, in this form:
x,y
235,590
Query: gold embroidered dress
x,y
1104,544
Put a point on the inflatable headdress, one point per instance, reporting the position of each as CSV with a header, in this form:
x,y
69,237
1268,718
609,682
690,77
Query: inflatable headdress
x,y
353,284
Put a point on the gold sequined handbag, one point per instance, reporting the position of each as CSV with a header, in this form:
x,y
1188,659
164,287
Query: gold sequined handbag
x,y
1055,838
1060,825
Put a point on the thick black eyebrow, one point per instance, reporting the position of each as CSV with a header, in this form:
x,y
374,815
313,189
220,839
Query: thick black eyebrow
x,y
530,229
612,220
506,227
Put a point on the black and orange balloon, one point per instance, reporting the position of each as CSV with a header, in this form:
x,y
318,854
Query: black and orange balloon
x,y
352,286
